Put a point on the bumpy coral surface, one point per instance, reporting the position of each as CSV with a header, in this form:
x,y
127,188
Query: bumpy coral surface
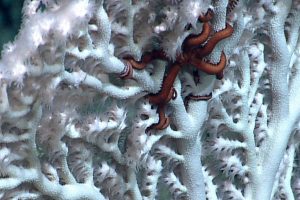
x,y
144,100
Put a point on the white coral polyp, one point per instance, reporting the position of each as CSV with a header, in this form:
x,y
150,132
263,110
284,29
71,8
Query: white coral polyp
x,y
232,166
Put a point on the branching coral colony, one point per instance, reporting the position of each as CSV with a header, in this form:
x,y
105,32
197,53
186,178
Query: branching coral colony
x,y
131,100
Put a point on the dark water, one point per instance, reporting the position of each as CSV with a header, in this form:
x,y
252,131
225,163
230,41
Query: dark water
x,y
10,19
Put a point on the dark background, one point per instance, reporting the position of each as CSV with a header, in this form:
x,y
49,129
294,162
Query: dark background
x,y
10,20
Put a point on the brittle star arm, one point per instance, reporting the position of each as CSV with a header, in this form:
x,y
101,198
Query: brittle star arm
x,y
127,72
207,17
146,59
213,41
167,91
212,69
196,98
196,40
163,121
163,97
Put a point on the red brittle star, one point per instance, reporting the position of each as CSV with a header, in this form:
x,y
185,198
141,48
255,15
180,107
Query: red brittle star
x,y
192,54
